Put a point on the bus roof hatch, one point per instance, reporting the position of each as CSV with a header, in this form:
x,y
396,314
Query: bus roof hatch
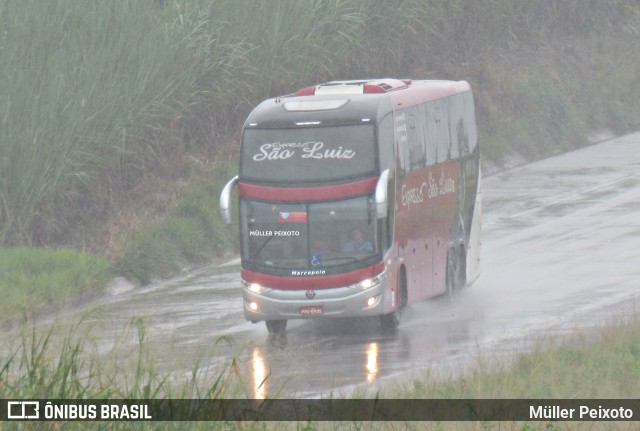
x,y
355,87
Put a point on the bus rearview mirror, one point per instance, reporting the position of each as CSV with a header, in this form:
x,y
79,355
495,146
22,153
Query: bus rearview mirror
x,y
225,200
381,194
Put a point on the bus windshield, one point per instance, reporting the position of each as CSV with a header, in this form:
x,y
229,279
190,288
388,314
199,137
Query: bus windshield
x,y
311,236
308,154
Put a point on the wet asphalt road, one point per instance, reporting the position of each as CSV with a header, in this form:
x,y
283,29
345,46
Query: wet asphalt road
x,y
561,252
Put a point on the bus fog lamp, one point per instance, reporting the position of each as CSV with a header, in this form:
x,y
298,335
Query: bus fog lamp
x,y
253,306
372,301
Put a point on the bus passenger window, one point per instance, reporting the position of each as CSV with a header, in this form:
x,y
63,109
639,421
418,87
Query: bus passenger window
x,y
416,148
463,138
442,136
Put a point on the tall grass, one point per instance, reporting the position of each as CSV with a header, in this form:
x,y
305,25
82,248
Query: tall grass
x,y
98,99
544,74
50,365
82,78
253,50
601,364
78,78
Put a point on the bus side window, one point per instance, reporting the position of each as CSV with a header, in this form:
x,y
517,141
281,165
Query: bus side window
x,y
416,149
402,146
455,118
430,135
442,135
463,138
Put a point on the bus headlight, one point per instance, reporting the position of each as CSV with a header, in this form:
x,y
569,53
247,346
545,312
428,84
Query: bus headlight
x,y
365,284
255,287
370,282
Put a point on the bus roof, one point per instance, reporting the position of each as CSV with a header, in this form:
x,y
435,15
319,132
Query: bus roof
x,y
425,91
355,101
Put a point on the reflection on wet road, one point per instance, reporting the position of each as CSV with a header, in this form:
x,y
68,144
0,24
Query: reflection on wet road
x,y
561,247
336,355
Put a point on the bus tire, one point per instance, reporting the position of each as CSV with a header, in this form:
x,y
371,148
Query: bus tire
x,y
391,321
462,268
276,326
453,282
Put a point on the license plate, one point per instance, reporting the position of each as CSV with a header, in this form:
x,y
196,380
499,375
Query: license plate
x,y
313,310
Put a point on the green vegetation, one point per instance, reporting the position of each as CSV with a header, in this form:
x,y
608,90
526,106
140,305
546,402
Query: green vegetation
x,y
119,120
76,88
190,233
602,365
42,367
32,278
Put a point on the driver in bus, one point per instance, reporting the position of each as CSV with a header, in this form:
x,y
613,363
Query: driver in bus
x,y
357,243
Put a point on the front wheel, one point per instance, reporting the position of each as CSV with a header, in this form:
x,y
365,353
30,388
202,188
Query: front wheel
x,y
391,321
276,326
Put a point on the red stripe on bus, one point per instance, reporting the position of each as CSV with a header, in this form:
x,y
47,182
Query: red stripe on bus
x,y
312,281
290,194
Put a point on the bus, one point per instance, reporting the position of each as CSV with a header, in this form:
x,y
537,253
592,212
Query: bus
x,y
357,198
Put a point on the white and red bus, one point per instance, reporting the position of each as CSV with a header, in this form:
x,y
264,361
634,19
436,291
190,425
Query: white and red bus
x,y
357,198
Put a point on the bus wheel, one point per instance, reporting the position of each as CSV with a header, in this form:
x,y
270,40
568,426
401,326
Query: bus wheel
x,y
276,326
453,274
391,321
462,269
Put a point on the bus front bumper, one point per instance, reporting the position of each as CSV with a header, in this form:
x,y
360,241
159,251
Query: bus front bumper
x,y
278,304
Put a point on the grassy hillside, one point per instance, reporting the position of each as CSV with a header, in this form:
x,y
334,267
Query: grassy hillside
x,y
115,115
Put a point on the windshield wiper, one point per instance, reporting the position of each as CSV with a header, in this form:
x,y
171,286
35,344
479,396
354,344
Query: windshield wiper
x,y
349,258
264,244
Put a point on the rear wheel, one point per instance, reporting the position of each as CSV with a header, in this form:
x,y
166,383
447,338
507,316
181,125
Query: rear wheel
x,y
454,281
276,326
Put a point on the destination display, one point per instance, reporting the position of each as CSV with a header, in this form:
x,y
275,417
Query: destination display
x,y
308,154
